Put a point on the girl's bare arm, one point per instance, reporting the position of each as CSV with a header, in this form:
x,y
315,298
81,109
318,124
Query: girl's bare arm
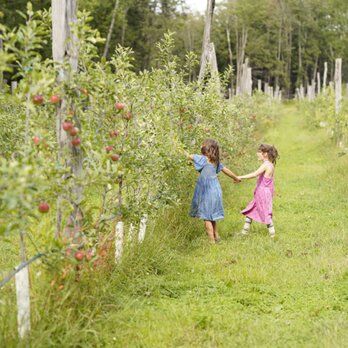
x,y
254,174
188,156
230,174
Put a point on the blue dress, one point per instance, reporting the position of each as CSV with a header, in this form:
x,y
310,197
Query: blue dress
x,y
207,198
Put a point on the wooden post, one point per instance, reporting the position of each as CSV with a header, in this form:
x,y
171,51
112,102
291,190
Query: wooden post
x,y
325,77
65,49
297,94
249,82
259,85
142,228
318,83
338,85
276,92
119,234
206,38
266,88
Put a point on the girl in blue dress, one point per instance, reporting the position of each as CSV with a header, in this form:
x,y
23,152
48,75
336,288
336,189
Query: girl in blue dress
x,y
207,198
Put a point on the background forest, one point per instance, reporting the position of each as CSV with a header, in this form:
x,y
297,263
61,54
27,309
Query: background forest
x,y
286,41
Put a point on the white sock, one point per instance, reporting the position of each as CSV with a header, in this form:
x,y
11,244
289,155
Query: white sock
x,y
247,225
271,229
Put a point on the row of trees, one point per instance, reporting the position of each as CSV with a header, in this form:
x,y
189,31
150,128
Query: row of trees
x,y
286,41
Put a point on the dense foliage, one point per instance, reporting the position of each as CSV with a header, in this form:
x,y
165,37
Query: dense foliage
x,y
287,41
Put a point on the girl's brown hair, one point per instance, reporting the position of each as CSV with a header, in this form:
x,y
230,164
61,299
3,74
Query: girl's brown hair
x,y
271,152
210,148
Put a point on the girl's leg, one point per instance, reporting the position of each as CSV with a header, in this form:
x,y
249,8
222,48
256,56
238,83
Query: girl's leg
x,y
210,230
271,229
247,225
216,235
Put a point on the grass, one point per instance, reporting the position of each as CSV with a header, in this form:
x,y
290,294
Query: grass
x,y
179,291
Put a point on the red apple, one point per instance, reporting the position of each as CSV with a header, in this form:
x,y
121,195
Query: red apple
x,y
67,125
44,207
119,106
76,142
109,148
36,140
79,255
114,133
73,131
128,116
115,157
38,99
55,99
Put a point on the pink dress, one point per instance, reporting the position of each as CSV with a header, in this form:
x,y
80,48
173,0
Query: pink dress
x,y
260,208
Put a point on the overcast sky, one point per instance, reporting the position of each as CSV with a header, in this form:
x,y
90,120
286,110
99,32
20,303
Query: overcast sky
x,y
198,5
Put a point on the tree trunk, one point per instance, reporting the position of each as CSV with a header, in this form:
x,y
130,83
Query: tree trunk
x,y
111,29
230,56
124,26
206,38
241,44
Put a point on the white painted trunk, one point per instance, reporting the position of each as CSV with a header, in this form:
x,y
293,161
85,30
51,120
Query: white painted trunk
x,y
23,302
119,236
131,234
13,86
318,83
259,85
206,39
142,228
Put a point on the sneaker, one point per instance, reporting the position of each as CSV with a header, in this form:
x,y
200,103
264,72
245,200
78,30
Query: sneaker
x,y
244,232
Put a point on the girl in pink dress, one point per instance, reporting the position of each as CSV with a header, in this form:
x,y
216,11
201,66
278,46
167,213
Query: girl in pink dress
x,y
260,208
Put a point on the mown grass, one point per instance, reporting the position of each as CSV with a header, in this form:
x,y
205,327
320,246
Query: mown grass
x,y
176,290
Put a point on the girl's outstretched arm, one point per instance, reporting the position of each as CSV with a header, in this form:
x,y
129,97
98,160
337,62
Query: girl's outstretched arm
x,y
230,174
188,156
254,174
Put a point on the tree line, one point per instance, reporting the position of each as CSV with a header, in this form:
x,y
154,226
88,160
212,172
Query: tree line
x,y
286,41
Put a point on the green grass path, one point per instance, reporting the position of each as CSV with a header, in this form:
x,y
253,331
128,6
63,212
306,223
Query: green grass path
x,y
248,292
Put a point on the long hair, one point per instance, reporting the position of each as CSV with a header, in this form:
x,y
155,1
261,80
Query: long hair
x,y
210,148
271,152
